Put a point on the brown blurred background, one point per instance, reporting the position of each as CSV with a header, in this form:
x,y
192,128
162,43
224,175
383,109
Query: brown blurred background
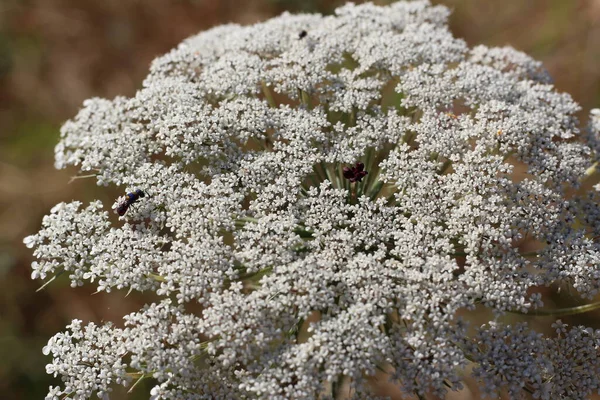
x,y
56,53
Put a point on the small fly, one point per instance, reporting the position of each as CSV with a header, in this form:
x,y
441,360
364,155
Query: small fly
x,y
127,200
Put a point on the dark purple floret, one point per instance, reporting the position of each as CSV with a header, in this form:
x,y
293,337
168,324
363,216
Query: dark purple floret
x,y
356,173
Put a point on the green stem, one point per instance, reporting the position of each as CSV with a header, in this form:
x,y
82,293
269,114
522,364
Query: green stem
x,y
82,177
157,277
268,94
241,222
352,117
370,153
374,192
59,273
590,177
142,377
336,388
304,98
352,193
329,173
314,178
391,199
338,176
293,331
591,170
445,166
260,143
320,172
255,276
560,312
303,233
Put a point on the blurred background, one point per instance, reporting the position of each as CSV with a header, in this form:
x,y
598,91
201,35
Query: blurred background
x,y
56,53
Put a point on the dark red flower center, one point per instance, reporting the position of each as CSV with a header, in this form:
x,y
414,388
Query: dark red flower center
x,y
356,173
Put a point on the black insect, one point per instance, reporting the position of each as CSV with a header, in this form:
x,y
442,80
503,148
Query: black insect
x,y
302,34
356,173
128,200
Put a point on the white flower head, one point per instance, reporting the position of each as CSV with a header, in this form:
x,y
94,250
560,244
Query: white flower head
x,y
331,190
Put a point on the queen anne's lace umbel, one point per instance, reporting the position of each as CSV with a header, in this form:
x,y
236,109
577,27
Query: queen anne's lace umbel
x,y
312,271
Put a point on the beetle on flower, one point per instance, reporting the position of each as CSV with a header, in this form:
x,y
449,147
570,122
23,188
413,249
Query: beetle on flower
x,y
126,201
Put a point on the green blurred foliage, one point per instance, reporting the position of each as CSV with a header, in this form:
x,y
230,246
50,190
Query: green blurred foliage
x,y
56,53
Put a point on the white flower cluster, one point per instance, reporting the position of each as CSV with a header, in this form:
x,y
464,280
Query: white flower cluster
x,y
570,359
329,191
